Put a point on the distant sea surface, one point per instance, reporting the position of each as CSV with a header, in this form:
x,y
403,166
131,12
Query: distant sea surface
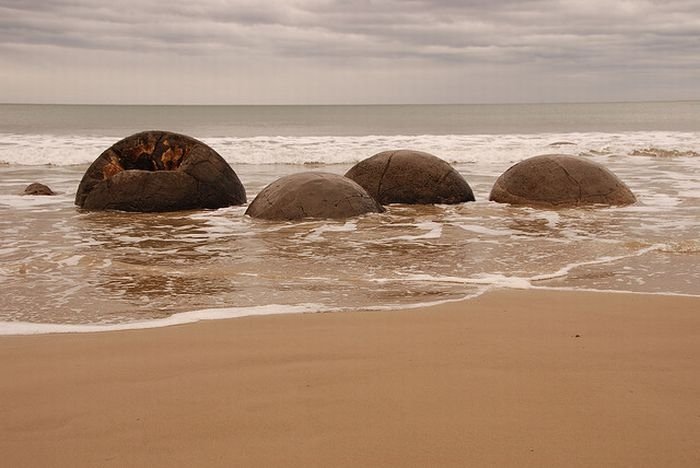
x,y
63,269
251,121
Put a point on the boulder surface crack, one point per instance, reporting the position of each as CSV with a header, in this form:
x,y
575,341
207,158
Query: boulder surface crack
x,y
578,184
381,179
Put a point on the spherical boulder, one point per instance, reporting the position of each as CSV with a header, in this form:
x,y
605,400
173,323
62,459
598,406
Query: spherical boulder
x,y
407,176
159,171
557,180
38,189
312,195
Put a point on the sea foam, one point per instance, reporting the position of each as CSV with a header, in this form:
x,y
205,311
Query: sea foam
x,y
28,328
60,150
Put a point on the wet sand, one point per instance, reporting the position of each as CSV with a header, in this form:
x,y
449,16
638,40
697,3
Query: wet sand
x,y
513,378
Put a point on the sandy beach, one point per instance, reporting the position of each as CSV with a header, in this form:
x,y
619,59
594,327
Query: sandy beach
x,y
513,378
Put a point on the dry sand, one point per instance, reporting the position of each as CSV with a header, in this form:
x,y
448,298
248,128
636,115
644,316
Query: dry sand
x,y
514,378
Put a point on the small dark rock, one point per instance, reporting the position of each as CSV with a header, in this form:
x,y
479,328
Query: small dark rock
x,y
38,189
312,195
414,177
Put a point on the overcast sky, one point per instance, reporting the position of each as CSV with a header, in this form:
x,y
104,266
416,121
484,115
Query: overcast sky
x,y
352,51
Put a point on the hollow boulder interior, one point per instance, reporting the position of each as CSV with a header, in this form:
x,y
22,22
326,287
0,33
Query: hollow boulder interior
x,y
160,156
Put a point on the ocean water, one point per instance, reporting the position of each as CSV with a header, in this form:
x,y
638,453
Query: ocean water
x,y
63,269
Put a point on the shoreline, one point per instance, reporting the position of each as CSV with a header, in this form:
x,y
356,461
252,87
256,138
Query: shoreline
x,y
229,313
513,378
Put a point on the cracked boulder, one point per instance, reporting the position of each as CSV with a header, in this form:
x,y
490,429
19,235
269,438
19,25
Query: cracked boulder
x,y
312,195
413,177
557,180
159,171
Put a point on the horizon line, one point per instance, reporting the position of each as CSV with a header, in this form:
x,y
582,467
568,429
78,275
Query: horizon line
x,y
525,103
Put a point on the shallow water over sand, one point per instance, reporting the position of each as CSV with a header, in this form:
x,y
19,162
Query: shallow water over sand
x,y
61,265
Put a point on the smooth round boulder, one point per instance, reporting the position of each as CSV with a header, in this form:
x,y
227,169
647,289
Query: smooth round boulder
x,y
38,189
312,195
158,171
557,180
412,177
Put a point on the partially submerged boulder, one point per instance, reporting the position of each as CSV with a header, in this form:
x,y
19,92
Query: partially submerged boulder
x,y
312,195
557,180
159,171
407,176
38,189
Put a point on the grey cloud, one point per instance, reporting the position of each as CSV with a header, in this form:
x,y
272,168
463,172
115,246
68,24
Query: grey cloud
x,y
549,35
382,29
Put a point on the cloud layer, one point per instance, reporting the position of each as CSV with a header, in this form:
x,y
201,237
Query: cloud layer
x,y
218,51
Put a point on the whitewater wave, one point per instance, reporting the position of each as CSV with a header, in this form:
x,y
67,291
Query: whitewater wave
x,y
59,150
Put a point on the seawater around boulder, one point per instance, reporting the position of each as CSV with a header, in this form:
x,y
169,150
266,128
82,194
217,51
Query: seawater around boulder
x,y
557,180
157,171
413,177
312,195
59,264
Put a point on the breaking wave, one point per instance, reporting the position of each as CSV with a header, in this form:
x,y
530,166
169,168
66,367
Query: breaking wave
x,y
59,150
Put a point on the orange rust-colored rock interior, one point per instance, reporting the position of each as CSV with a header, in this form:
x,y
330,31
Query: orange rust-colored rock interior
x,y
147,155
